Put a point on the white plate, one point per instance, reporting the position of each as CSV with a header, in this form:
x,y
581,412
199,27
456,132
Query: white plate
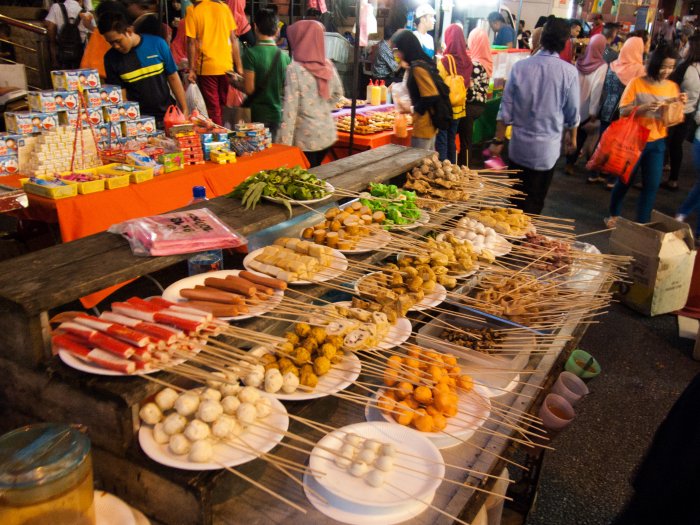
x,y
430,300
474,409
262,439
329,188
91,368
398,333
339,264
371,243
350,513
502,246
172,293
492,391
339,378
422,474
423,220
110,510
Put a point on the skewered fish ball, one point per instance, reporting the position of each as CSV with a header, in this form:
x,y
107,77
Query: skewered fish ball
x,y
230,388
367,455
174,424
375,478
247,413
273,380
197,430
258,351
249,395
179,444
159,435
263,407
388,449
216,383
359,469
353,439
150,414
223,427
373,445
230,404
254,378
209,410
201,451
211,394
187,404
348,451
343,462
385,463
165,399
302,329
290,382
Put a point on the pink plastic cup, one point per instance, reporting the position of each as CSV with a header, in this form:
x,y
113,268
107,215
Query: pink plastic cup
x,y
556,412
570,387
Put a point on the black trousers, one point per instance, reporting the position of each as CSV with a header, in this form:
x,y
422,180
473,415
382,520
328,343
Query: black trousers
x,y
315,158
674,144
465,131
534,184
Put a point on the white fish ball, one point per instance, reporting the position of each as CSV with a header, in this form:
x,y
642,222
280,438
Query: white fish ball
x,y
367,455
385,463
471,236
348,451
232,373
165,399
210,393
215,383
259,351
254,379
353,439
179,444
375,478
187,404
223,426
372,445
246,413
263,407
343,462
230,404
236,428
359,469
209,410
159,435
197,430
290,383
249,394
388,449
150,414
273,380
174,424
230,388
201,451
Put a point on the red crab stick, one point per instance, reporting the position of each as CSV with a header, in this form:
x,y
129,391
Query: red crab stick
x,y
102,341
146,314
158,332
115,330
104,359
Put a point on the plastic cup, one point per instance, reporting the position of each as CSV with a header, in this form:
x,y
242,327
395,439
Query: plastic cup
x,y
578,360
556,412
570,387
203,262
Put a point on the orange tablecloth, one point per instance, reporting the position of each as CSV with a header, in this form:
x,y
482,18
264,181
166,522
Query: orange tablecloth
x,y
88,214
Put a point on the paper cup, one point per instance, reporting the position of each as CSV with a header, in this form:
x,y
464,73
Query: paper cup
x,y
556,412
570,387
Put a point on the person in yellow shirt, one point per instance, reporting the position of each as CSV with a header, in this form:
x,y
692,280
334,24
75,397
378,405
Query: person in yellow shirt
x,y
211,31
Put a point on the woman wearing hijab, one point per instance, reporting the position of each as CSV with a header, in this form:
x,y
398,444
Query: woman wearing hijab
x,y
311,90
420,82
454,61
628,66
482,67
592,69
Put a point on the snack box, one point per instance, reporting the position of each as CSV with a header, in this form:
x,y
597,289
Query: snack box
x,y
89,180
222,156
74,79
70,119
48,101
9,143
9,165
103,132
139,127
209,146
49,187
106,95
123,111
25,122
137,174
172,161
250,126
182,130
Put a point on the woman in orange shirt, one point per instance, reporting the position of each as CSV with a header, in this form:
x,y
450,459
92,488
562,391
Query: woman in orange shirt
x,y
647,95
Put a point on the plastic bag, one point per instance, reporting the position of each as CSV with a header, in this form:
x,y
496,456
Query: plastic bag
x,y
173,117
401,126
195,100
177,233
619,148
401,97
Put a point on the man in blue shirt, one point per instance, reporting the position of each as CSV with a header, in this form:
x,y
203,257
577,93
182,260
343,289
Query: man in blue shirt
x,y
540,101
505,35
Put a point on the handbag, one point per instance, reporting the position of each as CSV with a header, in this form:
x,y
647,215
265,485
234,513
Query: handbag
x,y
672,113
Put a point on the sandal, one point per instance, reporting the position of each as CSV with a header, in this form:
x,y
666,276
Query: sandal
x,y
610,222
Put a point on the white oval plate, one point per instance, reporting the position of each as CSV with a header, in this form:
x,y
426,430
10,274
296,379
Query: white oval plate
x,y
371,243
91,368
413,451
431,300
338,266
172,293
329,188
261,439
338,378
110,510
398,333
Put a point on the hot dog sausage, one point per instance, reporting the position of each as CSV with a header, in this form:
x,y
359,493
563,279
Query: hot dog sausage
x,y
232,284
254,278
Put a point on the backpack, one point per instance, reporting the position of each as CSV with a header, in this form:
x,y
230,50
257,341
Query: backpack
x,y
455,83
441,112
69,42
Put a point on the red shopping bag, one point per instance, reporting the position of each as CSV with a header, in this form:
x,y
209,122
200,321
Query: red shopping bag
x,y
619,148
173,117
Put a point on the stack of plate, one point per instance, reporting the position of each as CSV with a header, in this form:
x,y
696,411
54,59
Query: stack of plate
x,y
408,489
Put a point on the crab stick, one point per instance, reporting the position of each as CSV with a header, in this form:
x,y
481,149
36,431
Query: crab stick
x,y
95,338
147,314
104,359
118,331
156,332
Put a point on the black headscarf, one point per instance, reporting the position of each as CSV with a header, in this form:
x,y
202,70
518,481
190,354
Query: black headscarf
x,y
412,52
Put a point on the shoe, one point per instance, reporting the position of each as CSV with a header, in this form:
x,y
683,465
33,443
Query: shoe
x,y
595,178
569,169
609,185
670,185
610,222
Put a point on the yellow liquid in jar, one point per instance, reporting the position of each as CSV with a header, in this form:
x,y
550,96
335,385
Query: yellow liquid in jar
x,y
74,507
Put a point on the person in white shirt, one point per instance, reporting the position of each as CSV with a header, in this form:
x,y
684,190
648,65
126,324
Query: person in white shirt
x,y
55,21
425,21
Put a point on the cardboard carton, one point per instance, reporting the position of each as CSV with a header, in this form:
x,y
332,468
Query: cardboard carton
x,y
664,255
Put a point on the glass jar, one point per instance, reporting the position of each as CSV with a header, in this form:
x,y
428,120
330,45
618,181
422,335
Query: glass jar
x,y
46,476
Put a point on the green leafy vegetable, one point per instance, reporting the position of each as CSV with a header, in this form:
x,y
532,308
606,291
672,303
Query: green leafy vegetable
x,y
399,206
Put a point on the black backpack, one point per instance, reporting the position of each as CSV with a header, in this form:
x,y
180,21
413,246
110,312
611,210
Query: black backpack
x,y
69,42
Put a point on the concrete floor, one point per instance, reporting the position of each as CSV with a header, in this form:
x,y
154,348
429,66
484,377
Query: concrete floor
x,y
645,367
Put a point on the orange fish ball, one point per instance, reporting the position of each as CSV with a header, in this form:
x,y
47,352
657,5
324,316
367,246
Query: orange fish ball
x,y
386,403
404,413
404,389
423,395
450,360
394,362
431,410
439,422
391,377
424,423
466,382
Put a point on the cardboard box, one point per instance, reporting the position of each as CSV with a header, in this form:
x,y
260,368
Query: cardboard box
x,y
48,101
25,122
9,165
664,255
9,144
139,127
107,95
121,112
70,79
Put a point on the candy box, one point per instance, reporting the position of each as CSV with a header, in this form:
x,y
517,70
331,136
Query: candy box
x,y
209,146
107,95
71,79
123,111
25,122
139,127
9,144
70,118
172,161
48,101
103,132
9,165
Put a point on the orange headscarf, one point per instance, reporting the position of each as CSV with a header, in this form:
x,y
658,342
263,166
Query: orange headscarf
x,y
480,49
630,65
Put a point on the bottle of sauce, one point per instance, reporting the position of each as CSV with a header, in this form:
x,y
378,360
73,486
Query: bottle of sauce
x,y
211,260
376,95
383,88
369,91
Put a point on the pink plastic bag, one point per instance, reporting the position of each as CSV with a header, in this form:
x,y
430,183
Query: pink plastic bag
x,y
177,233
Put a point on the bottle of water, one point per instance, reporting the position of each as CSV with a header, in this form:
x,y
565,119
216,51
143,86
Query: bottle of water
x,y
208,261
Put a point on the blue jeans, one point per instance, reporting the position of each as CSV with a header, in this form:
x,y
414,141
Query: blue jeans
x,y
692,201
445,142
651,165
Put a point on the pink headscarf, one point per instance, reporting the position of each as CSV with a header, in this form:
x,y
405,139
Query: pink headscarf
x,y
629,65
480,49
456,46
593,58
308,48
